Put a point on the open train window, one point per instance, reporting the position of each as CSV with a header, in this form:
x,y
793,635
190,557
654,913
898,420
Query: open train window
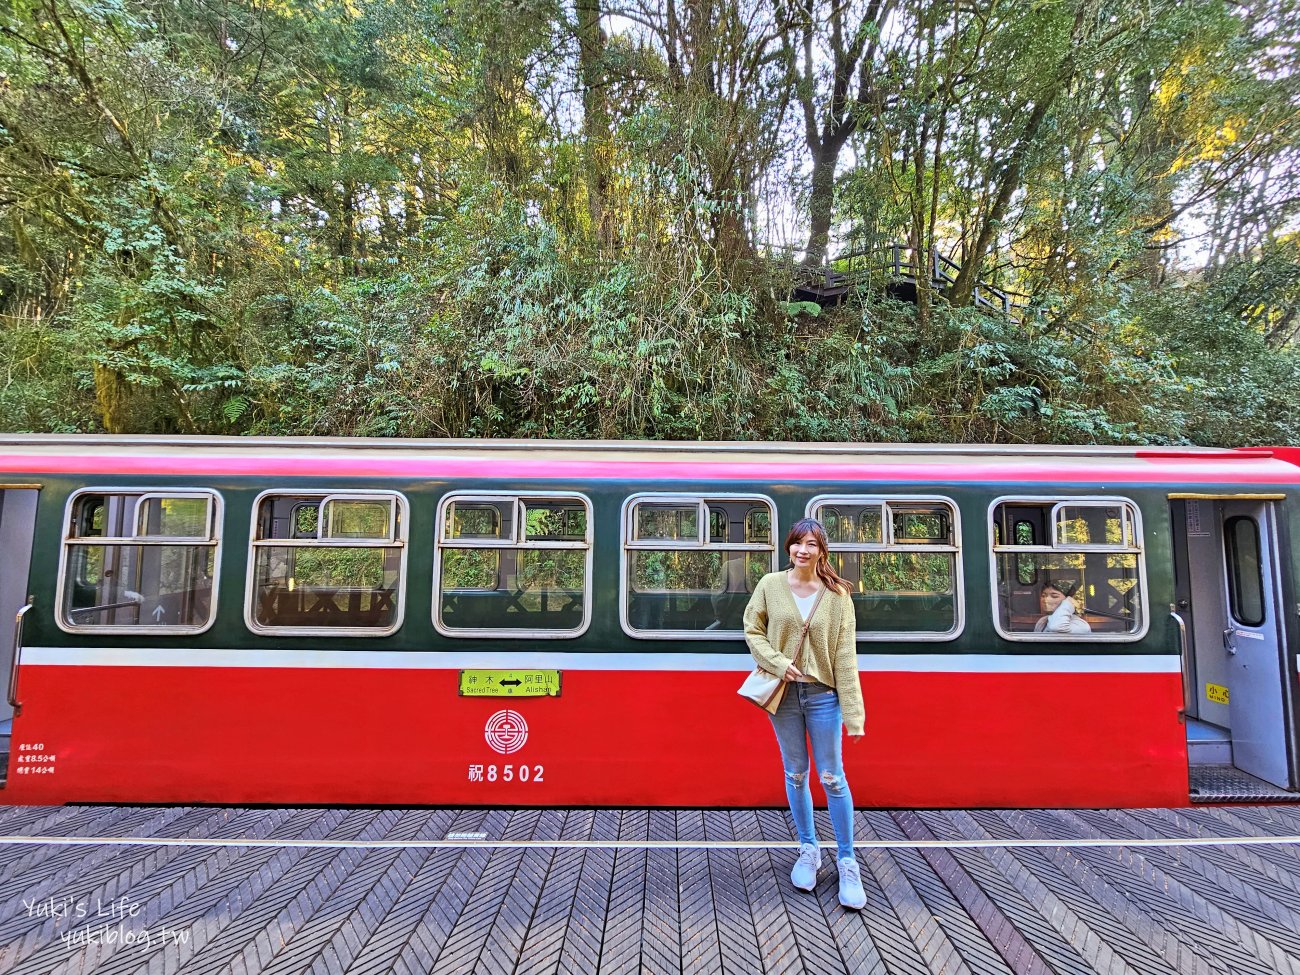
x,y
1072,569
513,565
327,563
690,562
139,561
902,557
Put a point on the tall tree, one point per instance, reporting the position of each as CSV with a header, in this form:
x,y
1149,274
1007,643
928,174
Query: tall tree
x,y
596,133
832,72
721,81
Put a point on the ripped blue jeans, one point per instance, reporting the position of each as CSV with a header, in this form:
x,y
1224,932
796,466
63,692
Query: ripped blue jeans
x,y
812,712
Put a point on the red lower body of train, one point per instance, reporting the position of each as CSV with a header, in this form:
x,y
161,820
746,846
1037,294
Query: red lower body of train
x,y
388,735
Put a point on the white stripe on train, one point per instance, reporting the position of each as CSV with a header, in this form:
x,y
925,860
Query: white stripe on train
x,y
997,663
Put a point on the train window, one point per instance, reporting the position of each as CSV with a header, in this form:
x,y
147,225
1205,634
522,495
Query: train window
x,y
139,561
1026,567
513,565
690,563
164,516
89,517
327,564
852,524
902,558
468,520
1092,525
1074,568
666,521
758,526
348,517
1245,571
718,523
554,523
303,520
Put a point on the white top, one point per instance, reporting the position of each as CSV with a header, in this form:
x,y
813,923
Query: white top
x,y
805,604
1063,619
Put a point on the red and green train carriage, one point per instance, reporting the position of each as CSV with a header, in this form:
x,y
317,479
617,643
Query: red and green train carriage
x,y
274,620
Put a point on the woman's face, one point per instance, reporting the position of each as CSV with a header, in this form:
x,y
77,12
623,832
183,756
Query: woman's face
x,y
805,551
1051,598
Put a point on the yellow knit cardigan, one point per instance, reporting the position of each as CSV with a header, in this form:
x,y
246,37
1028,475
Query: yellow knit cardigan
x,y
772,628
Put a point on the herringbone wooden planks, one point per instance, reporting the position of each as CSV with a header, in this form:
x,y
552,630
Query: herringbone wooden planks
x,y
677,909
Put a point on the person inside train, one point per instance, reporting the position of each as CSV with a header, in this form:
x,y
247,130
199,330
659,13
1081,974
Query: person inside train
x,y
1062,613
800,624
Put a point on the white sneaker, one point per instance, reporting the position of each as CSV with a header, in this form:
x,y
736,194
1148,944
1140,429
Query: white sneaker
x,y
851,892
804,874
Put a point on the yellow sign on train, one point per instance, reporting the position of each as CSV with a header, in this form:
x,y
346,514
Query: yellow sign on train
x,y
1216,693
510,683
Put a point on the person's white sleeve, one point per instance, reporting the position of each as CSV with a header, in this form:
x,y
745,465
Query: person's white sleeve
x,y
1059,619
1064,620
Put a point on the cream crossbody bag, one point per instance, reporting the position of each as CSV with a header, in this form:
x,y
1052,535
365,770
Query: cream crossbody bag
x,y
766,690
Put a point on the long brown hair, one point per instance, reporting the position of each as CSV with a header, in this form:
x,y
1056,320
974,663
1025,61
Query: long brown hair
x,y
829,577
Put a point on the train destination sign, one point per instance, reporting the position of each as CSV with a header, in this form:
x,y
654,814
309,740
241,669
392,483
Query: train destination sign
x,y
510,683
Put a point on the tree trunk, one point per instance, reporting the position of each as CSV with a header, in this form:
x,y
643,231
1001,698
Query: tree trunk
x,y
596,146
112,393
963,289
852,51
347,238
820,208
1157,145
730,233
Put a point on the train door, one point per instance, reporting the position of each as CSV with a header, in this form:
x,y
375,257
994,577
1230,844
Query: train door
x,y
1229,610
17,525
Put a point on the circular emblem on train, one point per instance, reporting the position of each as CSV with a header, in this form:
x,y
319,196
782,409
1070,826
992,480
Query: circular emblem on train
x,y
506,731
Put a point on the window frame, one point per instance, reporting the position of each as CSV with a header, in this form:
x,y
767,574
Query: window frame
x,y
1135,546
627,543
162,496
1126,526
517,540
887,544
323,523
216,512
398,535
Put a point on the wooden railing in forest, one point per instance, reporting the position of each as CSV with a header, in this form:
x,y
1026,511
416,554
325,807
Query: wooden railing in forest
x,y
829,285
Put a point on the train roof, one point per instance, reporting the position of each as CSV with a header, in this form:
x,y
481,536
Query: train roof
x,y
630,459
110,442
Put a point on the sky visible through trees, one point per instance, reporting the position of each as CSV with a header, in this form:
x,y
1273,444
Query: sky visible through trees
x,y
587,218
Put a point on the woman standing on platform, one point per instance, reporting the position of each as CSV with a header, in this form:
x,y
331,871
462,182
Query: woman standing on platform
x,y
822,692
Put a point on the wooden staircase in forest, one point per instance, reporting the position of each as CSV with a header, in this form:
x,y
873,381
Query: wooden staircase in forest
x,y
899,277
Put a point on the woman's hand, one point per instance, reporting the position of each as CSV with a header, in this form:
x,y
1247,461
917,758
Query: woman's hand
x,y
856,738
792,673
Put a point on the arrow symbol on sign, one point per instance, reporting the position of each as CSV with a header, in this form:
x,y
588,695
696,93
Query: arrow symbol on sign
x,y
157,613
515,681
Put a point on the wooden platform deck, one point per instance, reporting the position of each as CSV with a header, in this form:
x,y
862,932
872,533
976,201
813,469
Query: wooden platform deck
x,y
235,890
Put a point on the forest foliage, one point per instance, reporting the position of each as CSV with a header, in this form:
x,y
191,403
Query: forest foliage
x,y
587,218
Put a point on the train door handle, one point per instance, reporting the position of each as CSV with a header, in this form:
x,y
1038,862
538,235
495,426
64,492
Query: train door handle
x,y
1228,642
18,656
1185,654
